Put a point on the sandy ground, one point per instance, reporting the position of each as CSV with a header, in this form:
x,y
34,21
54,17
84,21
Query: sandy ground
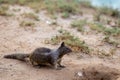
x,y
14,39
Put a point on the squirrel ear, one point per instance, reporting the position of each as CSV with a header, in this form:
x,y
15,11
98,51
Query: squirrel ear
x,y
62,44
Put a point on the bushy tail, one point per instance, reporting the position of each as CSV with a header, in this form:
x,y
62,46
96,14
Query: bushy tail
x,y
18,56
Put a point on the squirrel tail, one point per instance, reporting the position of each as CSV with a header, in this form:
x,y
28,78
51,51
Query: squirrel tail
x,y
18,56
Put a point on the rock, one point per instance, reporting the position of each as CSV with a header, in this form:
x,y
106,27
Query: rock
x,y
48,22
80,74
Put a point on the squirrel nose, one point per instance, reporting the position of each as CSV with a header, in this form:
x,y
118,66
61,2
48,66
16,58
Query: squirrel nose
x,y
70,50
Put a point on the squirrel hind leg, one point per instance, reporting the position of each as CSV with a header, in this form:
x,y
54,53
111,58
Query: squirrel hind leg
x,y
34,63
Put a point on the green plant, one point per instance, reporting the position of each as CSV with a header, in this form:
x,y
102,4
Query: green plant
x,y
65,15
52,6
21,2
75,43
109,11
35,4
97,17
118,23
112,31
54,16
108,40
62,6
85,3
97,26
79,24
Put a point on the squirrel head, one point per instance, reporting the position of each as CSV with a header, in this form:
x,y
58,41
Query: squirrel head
x,y
64,49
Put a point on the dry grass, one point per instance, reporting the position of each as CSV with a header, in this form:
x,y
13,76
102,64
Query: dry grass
x,y
75,43
27,24
4,10
32,16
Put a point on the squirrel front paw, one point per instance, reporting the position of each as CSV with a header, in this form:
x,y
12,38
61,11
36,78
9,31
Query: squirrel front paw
x,y
62,66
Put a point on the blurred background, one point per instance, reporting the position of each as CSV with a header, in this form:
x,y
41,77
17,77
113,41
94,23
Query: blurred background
x,y
91,28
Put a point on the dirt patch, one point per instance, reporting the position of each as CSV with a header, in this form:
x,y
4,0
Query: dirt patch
x,y
82,69
97,73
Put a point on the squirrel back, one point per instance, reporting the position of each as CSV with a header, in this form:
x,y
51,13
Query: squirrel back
x,y
50,56
22,56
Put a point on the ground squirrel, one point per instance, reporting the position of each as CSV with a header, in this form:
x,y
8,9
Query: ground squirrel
x,y
44,56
